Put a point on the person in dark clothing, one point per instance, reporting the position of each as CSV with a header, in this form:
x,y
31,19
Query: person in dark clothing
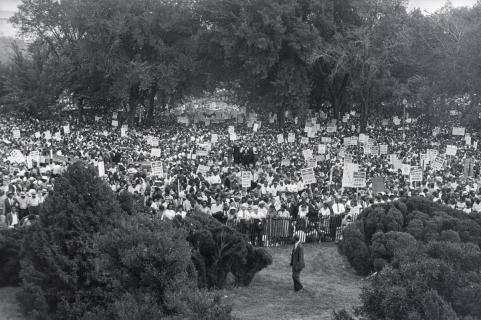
x,y
297,263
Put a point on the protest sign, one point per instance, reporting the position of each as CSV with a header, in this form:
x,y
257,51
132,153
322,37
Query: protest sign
x,y
101,167
280,138
157,169
230,129
214,138
416,174
203,149
202,169
406,169
285,162
304,140
363,138
348,174
155,152
97,119
57,136
123,131
347,158
321,149
115,123
326,139
375,150
451,150
35,156
436,131
37,135
347,141
311,133
246,179
233,137
438,163
396,121
459,131
256,127
383,149
16,134
467,138
153,141
331,129
66,129
308,176
320,157
354,140
359,179
291,137
311,162
307,153
378,185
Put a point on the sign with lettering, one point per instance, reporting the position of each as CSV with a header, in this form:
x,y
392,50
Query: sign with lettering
x,y
246,179
459,131
308,176
451,150
416,174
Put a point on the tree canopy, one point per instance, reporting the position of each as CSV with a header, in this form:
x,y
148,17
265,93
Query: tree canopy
x,y
142,56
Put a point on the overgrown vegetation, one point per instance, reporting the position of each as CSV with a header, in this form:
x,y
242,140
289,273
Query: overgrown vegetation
x,y
427,260
87,258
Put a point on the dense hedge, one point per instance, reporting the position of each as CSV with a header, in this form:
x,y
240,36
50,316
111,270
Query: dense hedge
x,y
219,250
89,258
427,258
10,244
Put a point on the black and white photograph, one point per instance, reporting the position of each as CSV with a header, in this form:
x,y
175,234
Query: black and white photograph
x,y
240,159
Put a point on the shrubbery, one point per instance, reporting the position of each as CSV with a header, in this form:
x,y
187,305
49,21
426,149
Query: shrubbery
x,y
220,250
10,243
87,258
427,258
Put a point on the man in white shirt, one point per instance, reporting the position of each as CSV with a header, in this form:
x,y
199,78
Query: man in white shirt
x,y
338,207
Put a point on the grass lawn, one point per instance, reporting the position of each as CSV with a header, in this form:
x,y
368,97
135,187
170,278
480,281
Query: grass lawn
x,y
330,283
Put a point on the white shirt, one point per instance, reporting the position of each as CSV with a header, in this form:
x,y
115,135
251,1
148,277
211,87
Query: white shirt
x,y
262,213
338,208
168,214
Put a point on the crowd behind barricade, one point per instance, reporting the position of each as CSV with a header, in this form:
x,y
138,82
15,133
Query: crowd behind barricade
x,y
244,169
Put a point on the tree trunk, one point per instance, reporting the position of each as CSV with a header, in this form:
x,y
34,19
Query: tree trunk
x,y
281,119
133,100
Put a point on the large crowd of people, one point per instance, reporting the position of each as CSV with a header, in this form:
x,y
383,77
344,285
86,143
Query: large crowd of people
x,y
242,167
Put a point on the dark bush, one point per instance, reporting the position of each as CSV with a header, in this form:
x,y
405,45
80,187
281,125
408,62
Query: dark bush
x,y
87,259
430,268
220,250
10,243
355,248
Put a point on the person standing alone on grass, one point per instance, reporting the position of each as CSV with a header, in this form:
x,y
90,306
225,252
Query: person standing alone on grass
x,y
297,263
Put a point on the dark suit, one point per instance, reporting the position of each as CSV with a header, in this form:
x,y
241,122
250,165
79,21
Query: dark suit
x,y
9,203
297,263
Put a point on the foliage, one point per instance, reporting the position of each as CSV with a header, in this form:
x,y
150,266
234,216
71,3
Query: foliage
x,y
428,266
274,55
87,259
220,250
10,242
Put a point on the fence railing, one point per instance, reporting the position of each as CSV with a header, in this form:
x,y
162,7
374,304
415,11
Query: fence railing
x,y
273,231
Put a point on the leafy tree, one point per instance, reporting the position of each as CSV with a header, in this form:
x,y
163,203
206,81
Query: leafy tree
x,y
87,259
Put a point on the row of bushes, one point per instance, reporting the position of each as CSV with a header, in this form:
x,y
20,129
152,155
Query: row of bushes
x,y
91,257
427,260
